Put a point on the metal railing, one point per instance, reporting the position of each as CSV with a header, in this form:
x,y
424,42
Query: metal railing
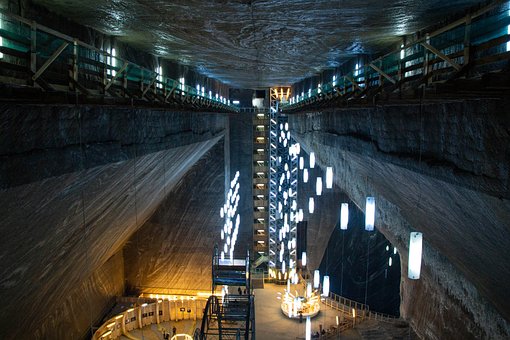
x,y
479,40
32,54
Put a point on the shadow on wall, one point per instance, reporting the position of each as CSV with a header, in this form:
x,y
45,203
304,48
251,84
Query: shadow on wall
x,y
346,258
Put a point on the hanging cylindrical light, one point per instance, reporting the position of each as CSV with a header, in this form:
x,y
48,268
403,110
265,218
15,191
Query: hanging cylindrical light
x,y
316,279
303,259
390,262
329,177
311,205
344,216
325,286
370,214
305,175
318,186
312,160
415,249
308,329
301,163
309,290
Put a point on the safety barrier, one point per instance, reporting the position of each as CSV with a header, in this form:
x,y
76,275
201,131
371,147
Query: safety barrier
x,y
148,313
37,56
478,42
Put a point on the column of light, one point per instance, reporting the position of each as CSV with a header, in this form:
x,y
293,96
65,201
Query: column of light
x,y
231,218
344,216
370,214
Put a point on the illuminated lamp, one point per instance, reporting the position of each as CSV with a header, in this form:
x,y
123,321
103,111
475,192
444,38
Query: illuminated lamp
x,y
308,328
329,177
415,250
309,290
390,261
311,205
312,160
301,163
318,186
370,214
305,175
325,286
303,259
316,279
344,216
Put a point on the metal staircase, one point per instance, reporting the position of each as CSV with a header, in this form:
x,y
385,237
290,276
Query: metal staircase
x,y
233,315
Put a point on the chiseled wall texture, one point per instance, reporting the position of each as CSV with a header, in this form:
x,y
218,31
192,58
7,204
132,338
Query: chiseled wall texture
x,y
75,183
438,168
172,251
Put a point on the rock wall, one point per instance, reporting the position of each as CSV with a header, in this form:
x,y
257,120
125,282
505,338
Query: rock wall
x,y
171,253
438,168
77,182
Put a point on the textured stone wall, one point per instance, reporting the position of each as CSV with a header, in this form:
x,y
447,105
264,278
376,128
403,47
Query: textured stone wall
x,y
171,253
442,169
77,182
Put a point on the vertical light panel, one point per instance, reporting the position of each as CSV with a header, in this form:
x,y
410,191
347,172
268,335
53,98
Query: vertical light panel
x,y
344,216
308,290
325,286
415,249
329,177
301,163
312,160
308,329
303,259
311,205
318,186
305,175
316,279
370,214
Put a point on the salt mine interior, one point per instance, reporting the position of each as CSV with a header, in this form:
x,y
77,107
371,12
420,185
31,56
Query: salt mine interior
x,y
228,169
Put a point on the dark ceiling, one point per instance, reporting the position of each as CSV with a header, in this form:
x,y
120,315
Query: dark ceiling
x,y
258,43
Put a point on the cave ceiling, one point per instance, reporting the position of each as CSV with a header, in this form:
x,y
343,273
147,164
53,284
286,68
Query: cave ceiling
x,y
258,43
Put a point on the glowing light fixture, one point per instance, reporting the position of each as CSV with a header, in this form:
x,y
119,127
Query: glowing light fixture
x,y
303,259
301,163
329,177
308,329
311,205
390,261
318,186
312,160
305,175
316,279
415,249
325,286
344,216
370,214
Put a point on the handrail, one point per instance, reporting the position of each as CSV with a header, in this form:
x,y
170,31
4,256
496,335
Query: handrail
x,y
104,70
433,57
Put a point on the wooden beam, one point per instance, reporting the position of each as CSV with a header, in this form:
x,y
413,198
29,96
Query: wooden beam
x,y
48,62
149,86
354,83
441,55
382,73
110,83
171,91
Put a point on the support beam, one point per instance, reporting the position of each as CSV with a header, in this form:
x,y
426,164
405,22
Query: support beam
x,y
441,55
110,83
382,73
48,62
353,82
150,85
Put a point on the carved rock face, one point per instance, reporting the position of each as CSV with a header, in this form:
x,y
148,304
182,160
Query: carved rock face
x,y
258,43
